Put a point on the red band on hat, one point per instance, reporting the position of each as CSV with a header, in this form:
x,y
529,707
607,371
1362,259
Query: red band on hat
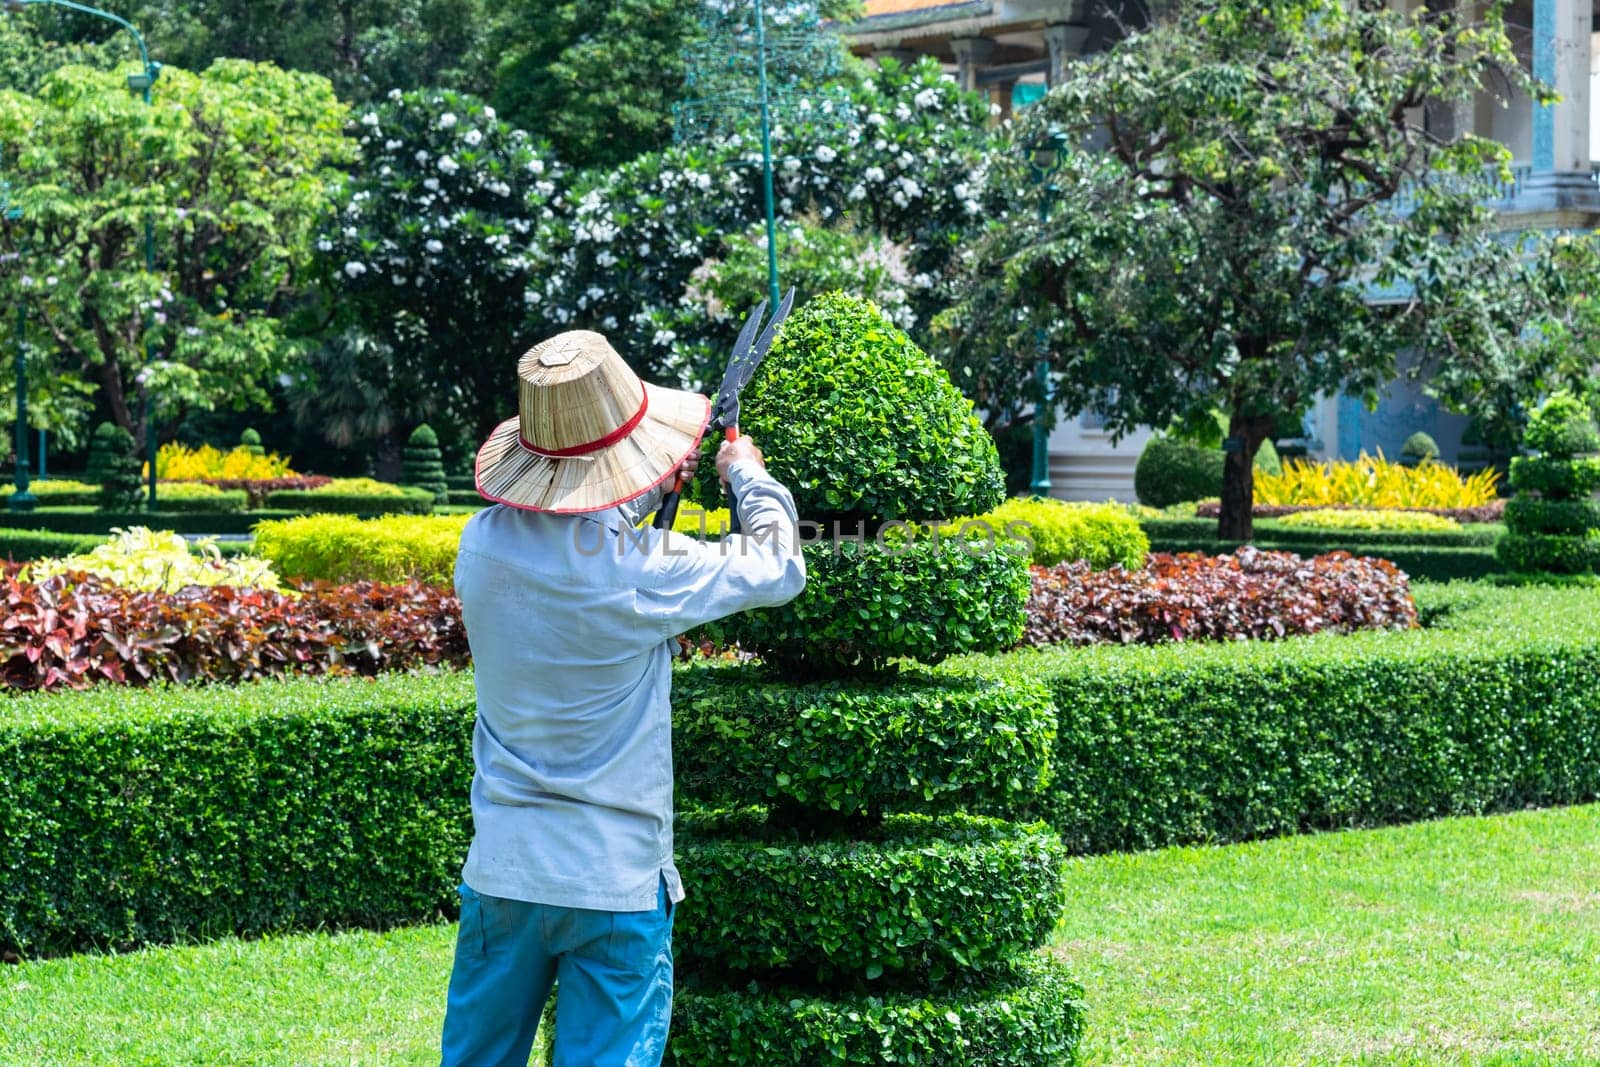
x,y
593,446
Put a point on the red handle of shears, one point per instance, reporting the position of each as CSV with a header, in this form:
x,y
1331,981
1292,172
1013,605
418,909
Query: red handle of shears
x,y
669,503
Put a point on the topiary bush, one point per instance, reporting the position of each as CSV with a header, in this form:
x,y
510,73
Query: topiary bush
x,y
422,464
1172,470
868,602
114,466
1550,524
876,913
859,747
1419,448
914,896
860,423
250,441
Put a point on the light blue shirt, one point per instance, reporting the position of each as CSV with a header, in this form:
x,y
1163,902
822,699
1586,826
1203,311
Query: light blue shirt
x,y
571,620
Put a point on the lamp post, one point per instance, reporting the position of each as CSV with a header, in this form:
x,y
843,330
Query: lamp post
x,y
140,83
1044,158
21,499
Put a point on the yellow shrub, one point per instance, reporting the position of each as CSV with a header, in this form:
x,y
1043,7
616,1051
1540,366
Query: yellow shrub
x,y
177,462
343,548
139,558
359,487
1374,482
1367,519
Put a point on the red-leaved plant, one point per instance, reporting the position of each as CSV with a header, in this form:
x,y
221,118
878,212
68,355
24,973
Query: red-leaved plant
x,y
74,630
1252,595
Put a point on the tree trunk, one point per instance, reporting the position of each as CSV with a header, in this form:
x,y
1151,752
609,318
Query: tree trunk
x,y
1236,521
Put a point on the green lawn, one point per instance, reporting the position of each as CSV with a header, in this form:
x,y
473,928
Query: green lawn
x,y
1462,941
1465,941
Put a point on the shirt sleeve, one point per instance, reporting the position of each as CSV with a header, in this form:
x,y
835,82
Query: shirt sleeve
x,y
697,581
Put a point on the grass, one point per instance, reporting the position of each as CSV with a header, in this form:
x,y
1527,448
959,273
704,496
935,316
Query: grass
x,y
1465,941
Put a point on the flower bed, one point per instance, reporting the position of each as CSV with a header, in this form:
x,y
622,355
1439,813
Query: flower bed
x,y
74,630
1255,595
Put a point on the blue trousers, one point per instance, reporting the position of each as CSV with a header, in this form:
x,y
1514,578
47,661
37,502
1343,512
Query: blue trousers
x,y
615,970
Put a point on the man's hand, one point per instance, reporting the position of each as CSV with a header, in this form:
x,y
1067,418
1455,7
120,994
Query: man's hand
x,y
733,452
690,464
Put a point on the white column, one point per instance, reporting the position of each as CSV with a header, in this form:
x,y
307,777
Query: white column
x,y
971,53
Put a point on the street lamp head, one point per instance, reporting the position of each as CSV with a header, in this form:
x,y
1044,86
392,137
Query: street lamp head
x,y
141,82
1046,151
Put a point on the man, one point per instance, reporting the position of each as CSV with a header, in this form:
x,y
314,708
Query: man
x,y
570,612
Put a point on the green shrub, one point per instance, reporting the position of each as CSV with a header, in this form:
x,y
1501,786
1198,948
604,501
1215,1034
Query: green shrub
x,y
1103,534
1558,553
115,468
859,422
59,492
343,548
1555,477
1171,471
250,441
1552,516
422,464
1030,1014
910,744
24,545
1419,448
913,896
170,814
1317,540
866,603
1562,427
199,497
77,520
1367,519
354,496
1493,707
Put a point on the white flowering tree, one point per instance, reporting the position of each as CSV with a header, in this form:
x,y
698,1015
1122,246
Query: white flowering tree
x,y
429,250
904,162
231,169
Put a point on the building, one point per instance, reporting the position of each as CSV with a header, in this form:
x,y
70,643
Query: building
x,y
1014,49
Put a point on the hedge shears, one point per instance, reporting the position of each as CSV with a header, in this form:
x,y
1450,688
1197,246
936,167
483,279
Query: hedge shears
x,y
748,352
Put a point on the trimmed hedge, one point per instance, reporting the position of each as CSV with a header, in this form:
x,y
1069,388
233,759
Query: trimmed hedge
x,y
101,523
169,814
915,743
1424,562
185,500
1030,1014
24,545
866,603
1559,553
1326,540
915,897
310,501
58,492
1494,707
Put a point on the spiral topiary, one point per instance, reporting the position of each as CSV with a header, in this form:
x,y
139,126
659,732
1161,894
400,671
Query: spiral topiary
x,y
422,464
250,441
114,466
918,922
1551,524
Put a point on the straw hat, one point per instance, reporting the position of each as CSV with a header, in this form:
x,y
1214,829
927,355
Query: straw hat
x,y
589,434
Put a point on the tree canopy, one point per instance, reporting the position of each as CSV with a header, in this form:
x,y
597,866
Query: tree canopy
x,y
231,170
1250,210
